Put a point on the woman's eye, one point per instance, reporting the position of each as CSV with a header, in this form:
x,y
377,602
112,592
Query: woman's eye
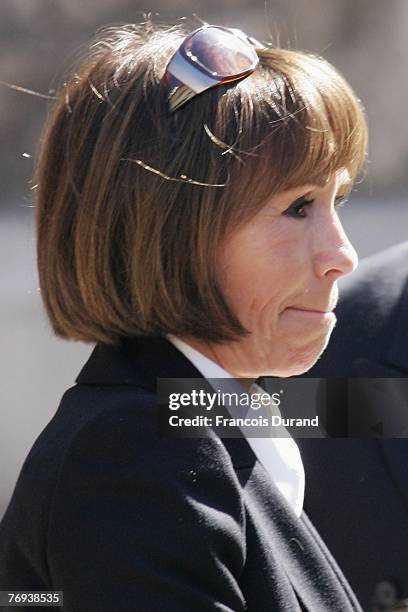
x,y
298,208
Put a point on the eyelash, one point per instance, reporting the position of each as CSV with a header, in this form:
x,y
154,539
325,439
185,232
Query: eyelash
x,y
294,209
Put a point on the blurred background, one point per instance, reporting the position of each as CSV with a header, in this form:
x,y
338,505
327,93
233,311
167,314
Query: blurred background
x,y
364,39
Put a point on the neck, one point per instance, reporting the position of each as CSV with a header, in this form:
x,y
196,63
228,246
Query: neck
x,y
206,349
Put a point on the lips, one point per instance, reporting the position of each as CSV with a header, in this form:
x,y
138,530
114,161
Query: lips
x,y
311,310
323,303
312,314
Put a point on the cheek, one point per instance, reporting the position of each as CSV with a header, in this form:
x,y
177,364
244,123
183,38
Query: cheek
x,y
259,270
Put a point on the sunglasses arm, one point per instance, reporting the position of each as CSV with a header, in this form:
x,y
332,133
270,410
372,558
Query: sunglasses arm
x,y
180,71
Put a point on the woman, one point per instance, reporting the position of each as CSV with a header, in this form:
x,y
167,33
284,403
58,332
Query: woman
x,y
186,222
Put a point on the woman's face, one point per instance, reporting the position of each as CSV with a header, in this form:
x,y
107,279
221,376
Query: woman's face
x,y
279,275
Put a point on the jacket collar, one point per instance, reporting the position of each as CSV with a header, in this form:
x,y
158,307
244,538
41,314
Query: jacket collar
x,y
136,361
140,361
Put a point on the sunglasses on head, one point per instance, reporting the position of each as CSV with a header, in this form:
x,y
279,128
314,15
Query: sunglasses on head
x,y
207,57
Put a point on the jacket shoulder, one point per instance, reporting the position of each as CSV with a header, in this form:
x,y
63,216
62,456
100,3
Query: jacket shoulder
x,y
122,417
128,502
114,420
100,493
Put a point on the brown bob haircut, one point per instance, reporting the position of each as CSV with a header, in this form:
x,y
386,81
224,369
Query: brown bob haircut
x,y
133,203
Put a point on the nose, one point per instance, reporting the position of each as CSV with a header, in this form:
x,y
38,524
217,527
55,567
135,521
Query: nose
x,y
335,256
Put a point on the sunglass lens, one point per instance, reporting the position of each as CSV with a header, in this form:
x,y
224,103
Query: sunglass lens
x,y
220,52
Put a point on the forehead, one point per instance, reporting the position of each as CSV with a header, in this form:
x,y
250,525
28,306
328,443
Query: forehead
x,y
336,181
340,177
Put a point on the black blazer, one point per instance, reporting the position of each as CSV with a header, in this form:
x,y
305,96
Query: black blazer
x,y
120,519
361,486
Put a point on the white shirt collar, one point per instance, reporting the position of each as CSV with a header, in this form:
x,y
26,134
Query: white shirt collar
x,y
279,456
207,367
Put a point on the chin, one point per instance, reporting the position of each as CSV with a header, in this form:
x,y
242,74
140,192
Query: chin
x,y
301,361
